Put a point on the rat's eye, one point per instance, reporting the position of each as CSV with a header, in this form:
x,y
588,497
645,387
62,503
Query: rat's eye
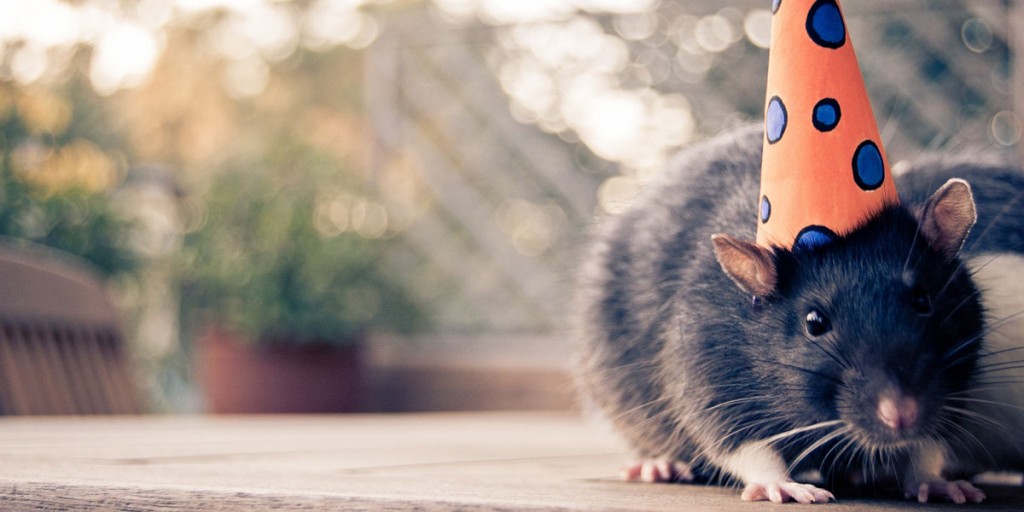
x,y
921,301
817,323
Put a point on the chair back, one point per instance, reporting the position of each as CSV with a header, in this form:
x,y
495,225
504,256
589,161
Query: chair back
x,y
62,350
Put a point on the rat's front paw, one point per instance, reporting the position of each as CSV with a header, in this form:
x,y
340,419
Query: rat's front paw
x,y
959,491
788,490
657,470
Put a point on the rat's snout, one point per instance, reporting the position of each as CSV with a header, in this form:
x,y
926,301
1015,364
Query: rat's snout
x,y
898,412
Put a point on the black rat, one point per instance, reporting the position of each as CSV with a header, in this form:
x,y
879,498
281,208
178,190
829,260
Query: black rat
x,y
890,354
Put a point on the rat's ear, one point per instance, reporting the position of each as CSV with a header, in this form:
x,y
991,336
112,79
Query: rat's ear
x,y
749,265
948,216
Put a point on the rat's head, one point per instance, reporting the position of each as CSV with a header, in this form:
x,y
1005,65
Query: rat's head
x,y
876,328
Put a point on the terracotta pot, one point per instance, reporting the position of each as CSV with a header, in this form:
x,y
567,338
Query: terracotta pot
x,y
237,376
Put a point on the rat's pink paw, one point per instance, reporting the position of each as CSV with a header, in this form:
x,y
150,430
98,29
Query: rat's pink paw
x,y
657,470
959,492
781,492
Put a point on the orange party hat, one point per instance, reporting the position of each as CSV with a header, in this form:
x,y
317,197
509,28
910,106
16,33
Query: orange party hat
x,y
824,171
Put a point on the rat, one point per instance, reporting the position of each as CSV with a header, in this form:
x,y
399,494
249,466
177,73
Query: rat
x,y
890,355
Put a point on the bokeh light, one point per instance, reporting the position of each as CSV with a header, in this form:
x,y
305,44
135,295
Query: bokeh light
x,y
976,35
123,57
757,26
40,36
1005,128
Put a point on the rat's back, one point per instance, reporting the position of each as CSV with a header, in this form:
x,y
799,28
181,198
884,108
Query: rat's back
x,y
994,253
642,260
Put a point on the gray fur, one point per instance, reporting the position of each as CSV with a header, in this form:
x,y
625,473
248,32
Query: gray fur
x,y
672,351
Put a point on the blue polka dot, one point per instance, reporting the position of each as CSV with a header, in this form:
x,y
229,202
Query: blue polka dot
x,y
775,120
766,209
826,114
775,6
868,168
825,24
813,237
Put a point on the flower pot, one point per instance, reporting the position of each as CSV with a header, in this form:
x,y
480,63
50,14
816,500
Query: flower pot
x,y
240,376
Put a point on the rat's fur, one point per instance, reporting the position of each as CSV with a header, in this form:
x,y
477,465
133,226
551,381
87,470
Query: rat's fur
x,y
690,368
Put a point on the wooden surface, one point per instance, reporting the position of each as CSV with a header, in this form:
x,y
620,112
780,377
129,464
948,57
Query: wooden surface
x,y
471,461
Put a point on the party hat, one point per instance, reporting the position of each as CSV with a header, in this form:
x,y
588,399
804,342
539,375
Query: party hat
x,y
824,171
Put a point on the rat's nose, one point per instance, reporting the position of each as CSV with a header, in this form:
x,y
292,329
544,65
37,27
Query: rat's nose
x,y
898,413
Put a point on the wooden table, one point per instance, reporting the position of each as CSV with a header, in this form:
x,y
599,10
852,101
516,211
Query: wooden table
x,y
468,461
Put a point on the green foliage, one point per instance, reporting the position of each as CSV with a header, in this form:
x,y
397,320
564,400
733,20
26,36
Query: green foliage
x,y
81,223
58,209
259,264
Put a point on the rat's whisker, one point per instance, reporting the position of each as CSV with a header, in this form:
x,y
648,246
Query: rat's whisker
x,y
801,369
987,402
947,363
982,419
963,436
822,441
800,430
1000,367
975,269
984,354
966,300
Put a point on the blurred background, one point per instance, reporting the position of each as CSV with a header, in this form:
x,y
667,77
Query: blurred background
x,y
401,190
